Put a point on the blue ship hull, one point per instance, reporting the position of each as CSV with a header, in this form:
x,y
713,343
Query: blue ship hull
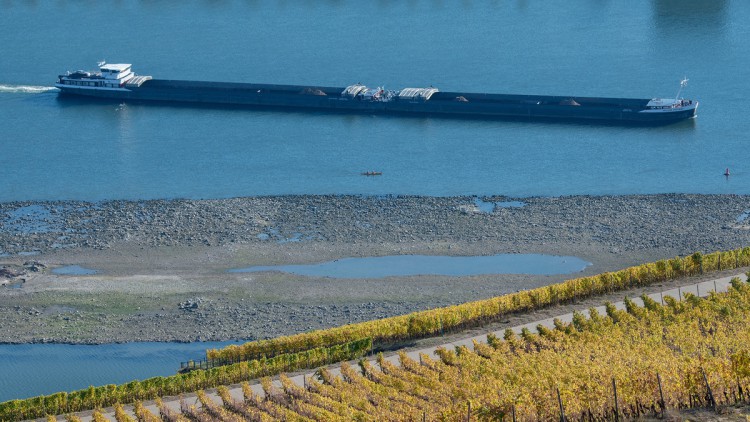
x,y
449,104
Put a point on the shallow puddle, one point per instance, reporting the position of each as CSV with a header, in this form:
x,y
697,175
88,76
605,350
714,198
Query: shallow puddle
x,y
510,204
73,270
31,219
406,265
489,206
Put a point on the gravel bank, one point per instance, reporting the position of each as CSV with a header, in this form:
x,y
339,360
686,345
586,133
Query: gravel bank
x,y
161,265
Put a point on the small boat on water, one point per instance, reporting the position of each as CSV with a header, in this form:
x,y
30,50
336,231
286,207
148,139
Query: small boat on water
x,y
372,173
119,82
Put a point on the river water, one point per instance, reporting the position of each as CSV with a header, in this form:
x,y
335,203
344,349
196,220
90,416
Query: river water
x,y
36,369
70,149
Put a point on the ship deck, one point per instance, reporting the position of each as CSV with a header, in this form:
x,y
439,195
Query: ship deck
x,y
238,89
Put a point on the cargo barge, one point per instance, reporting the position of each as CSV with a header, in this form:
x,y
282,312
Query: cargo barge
x,y
117,81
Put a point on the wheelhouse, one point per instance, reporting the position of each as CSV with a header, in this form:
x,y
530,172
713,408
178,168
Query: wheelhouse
x,y
110,76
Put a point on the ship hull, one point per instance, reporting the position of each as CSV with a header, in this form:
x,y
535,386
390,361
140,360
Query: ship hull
x,y
448,104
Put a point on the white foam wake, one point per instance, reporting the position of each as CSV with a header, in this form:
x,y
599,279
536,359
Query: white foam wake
x,y
27,89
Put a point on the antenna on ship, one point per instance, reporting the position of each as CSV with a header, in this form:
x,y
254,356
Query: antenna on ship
x,y
683,84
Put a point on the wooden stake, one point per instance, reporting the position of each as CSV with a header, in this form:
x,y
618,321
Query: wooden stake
x,y
562,409
710,393
740,390
617,408
513,412
468,412
661,396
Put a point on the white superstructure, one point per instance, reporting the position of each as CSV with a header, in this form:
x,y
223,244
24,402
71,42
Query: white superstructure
x,y
111,76
661,105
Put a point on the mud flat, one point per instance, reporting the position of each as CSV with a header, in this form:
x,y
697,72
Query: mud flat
x,y
161,266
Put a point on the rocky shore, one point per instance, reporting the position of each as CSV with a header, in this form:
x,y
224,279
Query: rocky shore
x,y
161,265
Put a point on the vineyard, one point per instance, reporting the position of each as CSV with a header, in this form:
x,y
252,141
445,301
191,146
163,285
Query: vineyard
x,y
309,350
626,364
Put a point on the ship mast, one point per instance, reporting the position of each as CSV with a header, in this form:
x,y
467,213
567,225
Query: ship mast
x,y
683,84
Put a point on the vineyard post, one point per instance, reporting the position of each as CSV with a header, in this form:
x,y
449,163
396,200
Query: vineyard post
x,y
617,409
424,416
468,411
661,395
562,409
513,412
740,390
715,291
698,289
661,295
710,393
679,294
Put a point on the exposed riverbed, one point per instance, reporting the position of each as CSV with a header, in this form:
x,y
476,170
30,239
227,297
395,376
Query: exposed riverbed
x,y
161,265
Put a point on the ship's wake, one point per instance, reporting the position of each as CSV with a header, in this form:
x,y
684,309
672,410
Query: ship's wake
x,y
25,89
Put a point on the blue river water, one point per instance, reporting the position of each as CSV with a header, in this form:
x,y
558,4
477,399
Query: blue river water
x,y
36,369
53,149
68,149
